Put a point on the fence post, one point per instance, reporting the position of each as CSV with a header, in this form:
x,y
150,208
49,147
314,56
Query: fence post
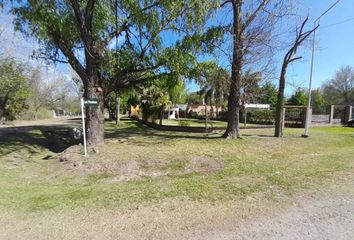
x,y
348,114
331,114
283,119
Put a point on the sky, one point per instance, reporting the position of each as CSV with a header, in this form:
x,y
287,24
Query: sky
x,y
334,42
334,45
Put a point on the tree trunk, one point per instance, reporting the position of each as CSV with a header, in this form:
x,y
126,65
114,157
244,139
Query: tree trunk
x,y
233,109
94,115
161,117
280,104
233,106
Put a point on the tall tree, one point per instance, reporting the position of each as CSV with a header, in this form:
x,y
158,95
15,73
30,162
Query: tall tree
x,y
301,36
340,89
267,94
251,31
317,101
81,33
13,88
214,82
299,98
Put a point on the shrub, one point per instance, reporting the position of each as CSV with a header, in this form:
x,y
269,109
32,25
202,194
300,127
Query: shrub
x,y
261,116
184,123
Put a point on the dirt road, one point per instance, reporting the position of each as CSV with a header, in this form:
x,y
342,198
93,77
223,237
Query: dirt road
x,y
314,216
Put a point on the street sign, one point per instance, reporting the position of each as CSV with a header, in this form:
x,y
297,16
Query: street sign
x,y
91,102
83,124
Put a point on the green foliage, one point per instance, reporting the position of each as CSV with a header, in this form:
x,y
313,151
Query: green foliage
x,y
153,102
184,123
299,98
140,47
13,88
214,82
261,116
317,101
267,94
194,98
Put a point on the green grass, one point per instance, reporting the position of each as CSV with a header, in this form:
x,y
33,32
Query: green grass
x,y
194,122
256,164
201,123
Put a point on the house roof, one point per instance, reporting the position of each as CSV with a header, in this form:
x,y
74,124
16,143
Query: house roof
x,y
182,107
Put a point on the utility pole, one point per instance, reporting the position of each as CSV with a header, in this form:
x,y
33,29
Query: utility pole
x,y
308,108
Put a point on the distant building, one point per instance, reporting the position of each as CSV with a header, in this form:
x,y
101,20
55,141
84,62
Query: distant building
x,y
199,110
59,112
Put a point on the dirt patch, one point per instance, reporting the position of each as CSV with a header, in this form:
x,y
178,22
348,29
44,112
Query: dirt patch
x,y
72,155
119,169
205,165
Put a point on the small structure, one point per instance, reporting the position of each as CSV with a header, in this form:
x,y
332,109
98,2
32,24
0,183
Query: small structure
x,y
173,113
182,109
134,111
59,112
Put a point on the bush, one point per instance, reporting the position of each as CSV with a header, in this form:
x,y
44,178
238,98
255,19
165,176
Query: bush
x,y
184,123
261,116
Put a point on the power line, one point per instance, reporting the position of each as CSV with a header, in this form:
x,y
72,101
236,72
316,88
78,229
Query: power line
x,y
337,23
325,12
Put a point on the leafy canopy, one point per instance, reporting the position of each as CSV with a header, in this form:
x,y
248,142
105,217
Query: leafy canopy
x,y
13,88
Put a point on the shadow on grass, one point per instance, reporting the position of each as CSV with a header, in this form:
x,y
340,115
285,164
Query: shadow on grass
x,y
133,128
55,138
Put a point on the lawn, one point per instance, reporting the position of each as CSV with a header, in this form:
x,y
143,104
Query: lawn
x,y
201,123
139,166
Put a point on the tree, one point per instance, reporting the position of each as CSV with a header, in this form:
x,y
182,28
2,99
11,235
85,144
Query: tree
x,y
153,102
250,86
214,82
267,94
81,33
299,98
251,28
289,57
13,88
340,89
317,101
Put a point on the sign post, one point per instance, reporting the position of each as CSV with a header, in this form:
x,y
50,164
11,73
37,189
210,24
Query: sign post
x,y
83,125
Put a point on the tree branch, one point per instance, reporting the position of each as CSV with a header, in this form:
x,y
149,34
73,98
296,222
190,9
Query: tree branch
x,y
224,3
115,33
254,14
89,15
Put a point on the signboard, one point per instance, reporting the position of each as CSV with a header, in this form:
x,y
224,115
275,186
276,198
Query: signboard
x,y
91,102
262,106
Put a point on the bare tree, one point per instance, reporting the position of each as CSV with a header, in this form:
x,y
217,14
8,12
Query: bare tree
x,y
252,26
288,58
340,89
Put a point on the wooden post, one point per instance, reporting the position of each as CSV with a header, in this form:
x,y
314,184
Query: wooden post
x,y
283,121
245,118
331,114
117,108
348,114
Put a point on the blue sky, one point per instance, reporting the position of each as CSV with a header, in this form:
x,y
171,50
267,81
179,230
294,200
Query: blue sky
x,y
334,45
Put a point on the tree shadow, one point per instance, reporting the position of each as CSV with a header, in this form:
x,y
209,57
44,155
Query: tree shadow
x,y
55,138
135,129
